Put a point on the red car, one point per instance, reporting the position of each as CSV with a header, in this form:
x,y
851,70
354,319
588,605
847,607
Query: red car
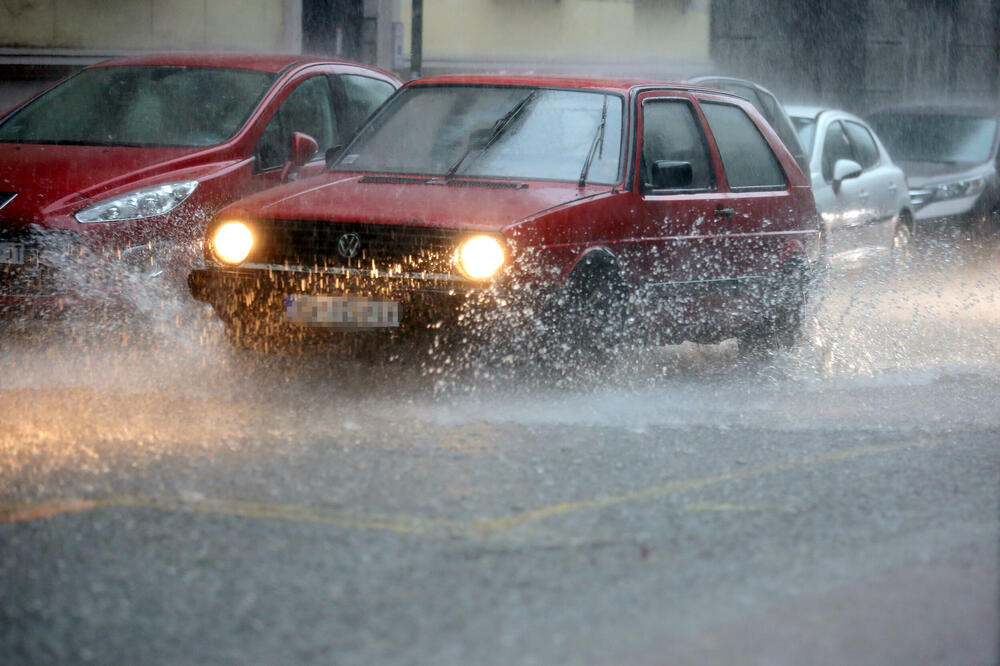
x,y
587,208
128,158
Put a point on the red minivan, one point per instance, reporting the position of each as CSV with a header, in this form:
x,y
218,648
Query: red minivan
x,y
121,162
591,209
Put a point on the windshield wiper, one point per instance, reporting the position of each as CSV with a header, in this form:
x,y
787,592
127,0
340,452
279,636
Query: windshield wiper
x,y
598,141
499,127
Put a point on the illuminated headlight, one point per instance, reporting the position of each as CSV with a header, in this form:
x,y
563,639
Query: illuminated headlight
x,y
480,257
147,202
231,242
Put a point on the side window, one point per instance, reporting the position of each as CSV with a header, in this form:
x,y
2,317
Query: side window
x,y
865,149
362,96
309,109
670,132
747,157
835,147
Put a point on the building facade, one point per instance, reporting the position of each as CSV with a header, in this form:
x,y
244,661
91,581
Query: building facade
x,y
662,38
861,54
851,53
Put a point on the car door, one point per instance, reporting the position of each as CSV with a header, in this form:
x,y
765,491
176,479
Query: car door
x,y
751,220
674,220
879,181
846,204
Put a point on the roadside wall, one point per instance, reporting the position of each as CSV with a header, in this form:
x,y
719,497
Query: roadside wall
x,y
861,54
598,37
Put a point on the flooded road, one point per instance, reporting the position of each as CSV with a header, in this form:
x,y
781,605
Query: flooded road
x,y
164,499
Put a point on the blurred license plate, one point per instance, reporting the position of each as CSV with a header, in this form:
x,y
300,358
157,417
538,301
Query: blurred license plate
x,y
341,311
11,253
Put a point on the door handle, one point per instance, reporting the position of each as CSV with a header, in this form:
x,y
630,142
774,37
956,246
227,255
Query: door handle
x,y
892,187
725,212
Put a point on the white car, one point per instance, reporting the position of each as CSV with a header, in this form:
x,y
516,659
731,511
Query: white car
x,y
862,196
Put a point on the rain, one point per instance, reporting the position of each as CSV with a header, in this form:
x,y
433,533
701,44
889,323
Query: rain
x,y
492,489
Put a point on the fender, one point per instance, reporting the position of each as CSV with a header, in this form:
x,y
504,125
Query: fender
x,y
596,261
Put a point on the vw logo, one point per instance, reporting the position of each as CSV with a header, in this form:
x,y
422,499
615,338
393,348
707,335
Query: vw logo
x,y
348,245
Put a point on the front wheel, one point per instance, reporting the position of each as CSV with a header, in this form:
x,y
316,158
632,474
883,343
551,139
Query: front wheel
x,y
902,242
594,314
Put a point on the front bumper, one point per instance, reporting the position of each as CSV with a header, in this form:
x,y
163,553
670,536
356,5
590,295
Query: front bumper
x,y
258,294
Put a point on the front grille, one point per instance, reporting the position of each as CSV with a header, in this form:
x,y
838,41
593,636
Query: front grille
x,y
31,259
383,247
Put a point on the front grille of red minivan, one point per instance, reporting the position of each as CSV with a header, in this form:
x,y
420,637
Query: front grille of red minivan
x,y
383,247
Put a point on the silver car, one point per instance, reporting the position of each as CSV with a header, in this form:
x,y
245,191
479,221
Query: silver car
x,y
861,194
951,155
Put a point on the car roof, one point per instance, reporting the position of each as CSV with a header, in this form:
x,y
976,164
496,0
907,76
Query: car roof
x,y
262,62
611,85
956,109
814,112
805,111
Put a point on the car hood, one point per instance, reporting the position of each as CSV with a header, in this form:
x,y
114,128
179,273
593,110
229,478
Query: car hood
x,y
920,173
46,173
463,204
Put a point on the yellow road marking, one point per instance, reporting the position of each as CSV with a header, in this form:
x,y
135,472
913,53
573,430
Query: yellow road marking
x,y
510,522
28,512
405,524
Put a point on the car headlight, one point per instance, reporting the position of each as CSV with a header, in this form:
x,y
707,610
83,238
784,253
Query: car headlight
x,y
480,257
231,242
147,202
967,187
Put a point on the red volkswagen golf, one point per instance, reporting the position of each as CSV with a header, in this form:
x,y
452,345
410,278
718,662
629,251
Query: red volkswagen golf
x,y
589,209
118,164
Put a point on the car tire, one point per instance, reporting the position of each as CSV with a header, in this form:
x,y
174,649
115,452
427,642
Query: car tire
x,y
594,313
782,327
902,241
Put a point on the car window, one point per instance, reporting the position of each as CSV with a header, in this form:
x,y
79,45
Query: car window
x,y
493,131
363,95
671,132
309,109
936,137
806,129
746,155
835,147
751,96
141,106
865,150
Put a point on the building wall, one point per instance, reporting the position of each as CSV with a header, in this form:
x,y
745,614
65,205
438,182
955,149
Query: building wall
x,y
639,37
123,25
860,54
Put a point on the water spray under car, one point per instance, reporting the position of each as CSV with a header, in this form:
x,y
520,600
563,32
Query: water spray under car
x,y
594,210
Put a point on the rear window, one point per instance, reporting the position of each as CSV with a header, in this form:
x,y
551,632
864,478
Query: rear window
x,y
936,137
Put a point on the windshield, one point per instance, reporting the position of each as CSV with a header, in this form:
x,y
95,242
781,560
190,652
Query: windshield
x,y
925,137
141,106
806,129
493,132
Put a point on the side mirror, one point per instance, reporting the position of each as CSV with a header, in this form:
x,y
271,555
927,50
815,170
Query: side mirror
x,y
302,150
843,170
668,175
